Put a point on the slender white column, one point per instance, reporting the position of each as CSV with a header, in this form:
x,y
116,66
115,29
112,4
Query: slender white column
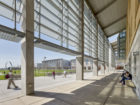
x,y
80,59
95,68
106,69
79,68
102,69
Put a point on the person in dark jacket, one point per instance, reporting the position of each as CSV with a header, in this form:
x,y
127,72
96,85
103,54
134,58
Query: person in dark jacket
x,y
126,76
53,74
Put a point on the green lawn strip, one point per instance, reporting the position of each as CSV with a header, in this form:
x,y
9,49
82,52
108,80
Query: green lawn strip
x,y
37,72
49,72
2,77
6,71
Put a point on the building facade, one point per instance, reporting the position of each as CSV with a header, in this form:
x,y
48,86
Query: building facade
x,y
54,64
121,45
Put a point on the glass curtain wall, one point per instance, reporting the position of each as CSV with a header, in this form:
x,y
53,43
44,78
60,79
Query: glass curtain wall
x,y
100,44
59,21
90,37
11,10
106,46
90,32
112,58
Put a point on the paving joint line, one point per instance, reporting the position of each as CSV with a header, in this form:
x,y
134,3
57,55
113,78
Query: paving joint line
x,y
117,78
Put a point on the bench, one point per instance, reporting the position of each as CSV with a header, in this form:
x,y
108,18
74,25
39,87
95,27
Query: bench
x,y
130,83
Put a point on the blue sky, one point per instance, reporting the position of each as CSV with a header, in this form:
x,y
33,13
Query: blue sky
x,y
10,51
113,38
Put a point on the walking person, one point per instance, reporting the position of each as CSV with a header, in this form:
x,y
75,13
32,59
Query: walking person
x,y
65,73
10,77
53,74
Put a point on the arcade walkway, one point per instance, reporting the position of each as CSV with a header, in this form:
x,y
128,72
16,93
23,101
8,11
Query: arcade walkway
x,y
101,90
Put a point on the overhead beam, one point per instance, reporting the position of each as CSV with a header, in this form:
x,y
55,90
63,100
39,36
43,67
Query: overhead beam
x,y
116,32
9,34
115,47
114,22
11,31
105,7
114,42
40,43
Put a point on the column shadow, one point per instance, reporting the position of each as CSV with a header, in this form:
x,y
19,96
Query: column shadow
x,y
87,95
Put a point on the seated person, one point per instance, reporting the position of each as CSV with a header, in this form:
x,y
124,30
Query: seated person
x,y
123,74
126,76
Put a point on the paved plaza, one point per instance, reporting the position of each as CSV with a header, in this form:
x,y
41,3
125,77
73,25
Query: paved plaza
x,y
40,83
101,90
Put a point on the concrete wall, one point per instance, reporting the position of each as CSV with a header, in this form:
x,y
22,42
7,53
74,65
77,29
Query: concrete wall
x,y
133,20
133,42
133,61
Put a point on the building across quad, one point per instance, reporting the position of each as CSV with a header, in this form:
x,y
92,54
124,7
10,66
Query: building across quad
x,y
62,64
54,64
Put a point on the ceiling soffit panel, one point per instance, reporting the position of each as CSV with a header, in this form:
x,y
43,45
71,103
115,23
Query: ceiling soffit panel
x,y
114,12
98,5
111,14
114,43
115,28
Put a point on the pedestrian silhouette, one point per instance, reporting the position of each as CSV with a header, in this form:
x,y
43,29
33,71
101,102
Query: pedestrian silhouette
x,y
10,78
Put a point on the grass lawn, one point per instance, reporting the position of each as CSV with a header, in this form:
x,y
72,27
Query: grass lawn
x,y
2,77
37,72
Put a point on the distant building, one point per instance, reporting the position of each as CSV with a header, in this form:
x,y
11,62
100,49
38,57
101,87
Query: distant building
x,y
87,64
63,64
121,50
73,64
39,65
54,64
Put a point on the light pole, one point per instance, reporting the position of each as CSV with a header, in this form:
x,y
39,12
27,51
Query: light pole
x,y
8,63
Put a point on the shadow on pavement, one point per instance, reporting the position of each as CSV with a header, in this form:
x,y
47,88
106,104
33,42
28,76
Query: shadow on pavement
x,y
90,94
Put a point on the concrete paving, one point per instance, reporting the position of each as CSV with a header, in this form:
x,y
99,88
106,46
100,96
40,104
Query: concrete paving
x,y
101,90
40,83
